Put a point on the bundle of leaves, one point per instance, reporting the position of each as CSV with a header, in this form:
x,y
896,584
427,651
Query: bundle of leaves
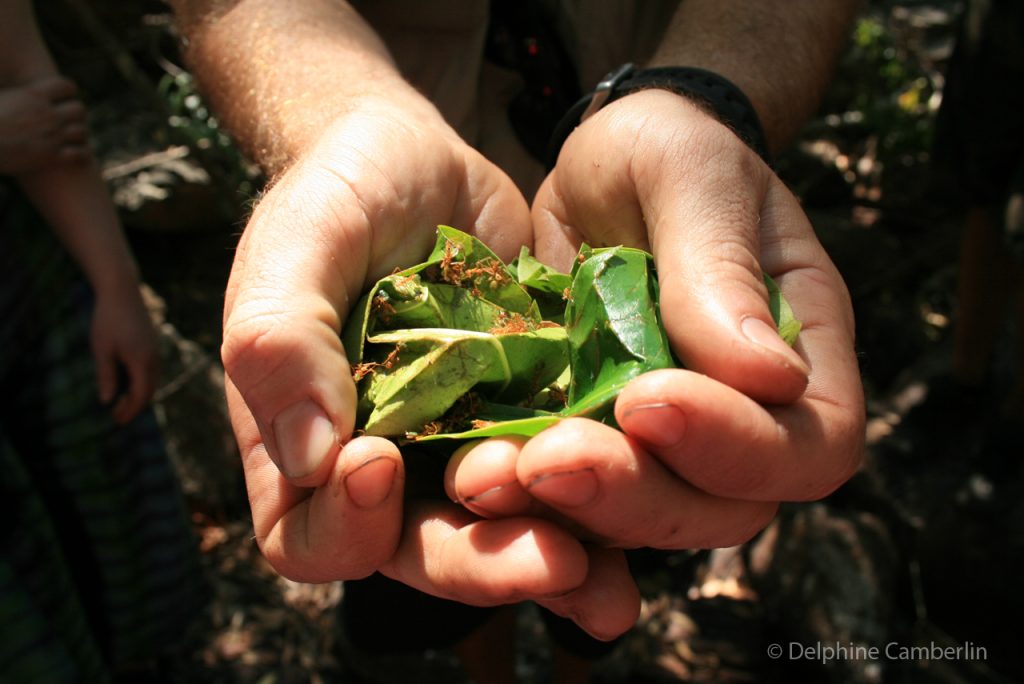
x,y
465,346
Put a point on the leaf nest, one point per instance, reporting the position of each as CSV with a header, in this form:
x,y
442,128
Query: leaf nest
x,y
464,346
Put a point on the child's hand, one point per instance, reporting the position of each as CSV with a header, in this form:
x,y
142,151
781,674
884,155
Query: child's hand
x,y
123,338
41,124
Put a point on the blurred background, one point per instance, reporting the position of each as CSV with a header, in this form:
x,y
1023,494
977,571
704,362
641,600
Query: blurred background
x,y
924,546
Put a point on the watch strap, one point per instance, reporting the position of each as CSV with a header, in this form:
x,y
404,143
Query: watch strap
x,y
723,98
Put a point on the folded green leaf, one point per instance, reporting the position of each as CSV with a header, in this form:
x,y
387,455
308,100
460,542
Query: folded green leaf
x,y
614,326
462,284
464,261
782,314
546,285
433,367
521,427
536,277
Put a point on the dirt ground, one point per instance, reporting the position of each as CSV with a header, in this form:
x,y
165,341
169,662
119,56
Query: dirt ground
x,y
922,548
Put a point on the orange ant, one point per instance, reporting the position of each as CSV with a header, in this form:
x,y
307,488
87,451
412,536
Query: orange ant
x,y
451,270
506,323
432,428
361,370
382,306
488,267
558,395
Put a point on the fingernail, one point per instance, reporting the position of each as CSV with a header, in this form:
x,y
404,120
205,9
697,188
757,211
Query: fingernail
x,y
660,425
371,483
304,436
484,495
767,337
500,500
568,490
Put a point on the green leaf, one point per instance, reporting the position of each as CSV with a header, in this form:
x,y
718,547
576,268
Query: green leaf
x,y
496,420
435,305
782,313
430,375
535,276
546,285
522,427
466,262
433,367
614,327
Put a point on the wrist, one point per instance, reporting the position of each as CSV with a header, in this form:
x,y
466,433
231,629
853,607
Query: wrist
x,y
379,115
382,105
404,104
115,282
711,92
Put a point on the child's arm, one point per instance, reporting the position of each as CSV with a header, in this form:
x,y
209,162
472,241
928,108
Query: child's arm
x,y
74,201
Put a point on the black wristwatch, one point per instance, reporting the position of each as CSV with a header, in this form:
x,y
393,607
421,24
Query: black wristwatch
x,y
720,95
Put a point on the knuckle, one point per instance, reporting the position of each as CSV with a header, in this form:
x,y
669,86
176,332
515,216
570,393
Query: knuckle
x,y
315,572
670,534
739,478
317,564
845,458
749,526
255,346
735,531
848,462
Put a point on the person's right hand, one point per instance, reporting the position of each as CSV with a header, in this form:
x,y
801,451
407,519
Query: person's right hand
x,y
42,124
367,198
123,339
703,455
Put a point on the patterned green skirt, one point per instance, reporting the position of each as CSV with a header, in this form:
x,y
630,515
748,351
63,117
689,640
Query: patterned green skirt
x,y
98,567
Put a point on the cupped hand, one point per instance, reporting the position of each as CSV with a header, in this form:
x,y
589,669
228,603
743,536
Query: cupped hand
x,y
123,341
704,454
42,123
365,199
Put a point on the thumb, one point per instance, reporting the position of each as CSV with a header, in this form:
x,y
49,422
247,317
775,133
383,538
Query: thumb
x,y
141,385
714,302
692,193
283,311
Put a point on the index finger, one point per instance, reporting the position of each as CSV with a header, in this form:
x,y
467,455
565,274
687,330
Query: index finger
x,y
729,445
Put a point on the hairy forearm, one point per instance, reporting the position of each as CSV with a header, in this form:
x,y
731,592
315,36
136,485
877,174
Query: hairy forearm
x,y
278,73
780,53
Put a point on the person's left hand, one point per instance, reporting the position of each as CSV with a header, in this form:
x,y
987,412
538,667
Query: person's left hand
x,y
123,338
705,454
